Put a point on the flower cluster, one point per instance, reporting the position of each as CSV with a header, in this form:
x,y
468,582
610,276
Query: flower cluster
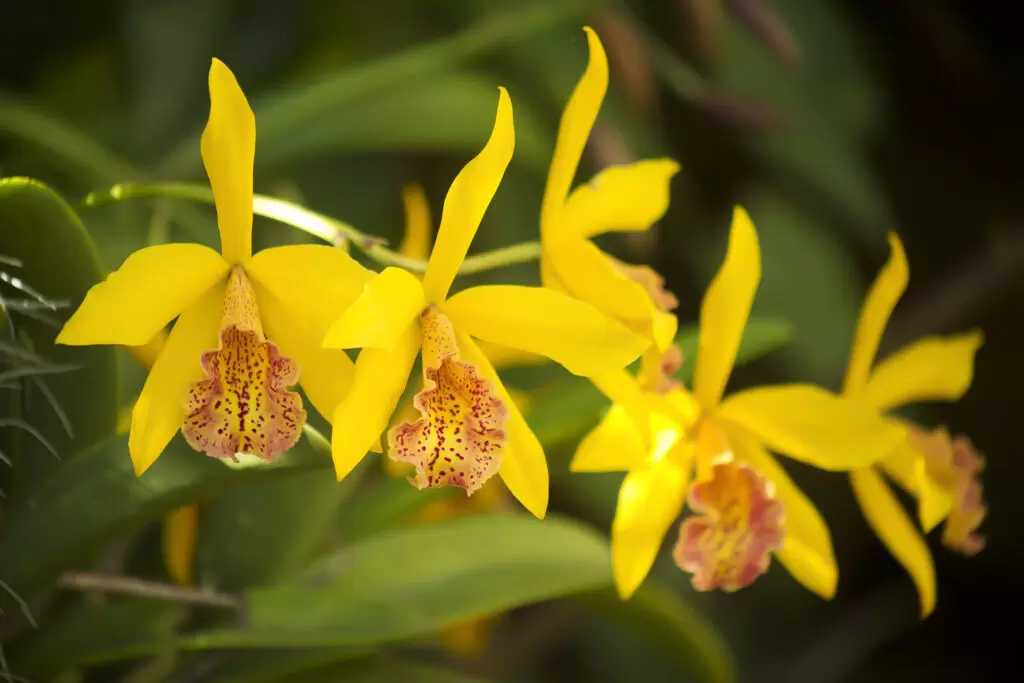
x,y
250,327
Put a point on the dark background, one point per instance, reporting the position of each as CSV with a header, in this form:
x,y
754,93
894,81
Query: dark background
x,y
832,122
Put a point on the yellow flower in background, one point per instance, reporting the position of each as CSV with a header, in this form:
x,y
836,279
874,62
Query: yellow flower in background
x,y
620,198
469,428
715,452
941,472
218,378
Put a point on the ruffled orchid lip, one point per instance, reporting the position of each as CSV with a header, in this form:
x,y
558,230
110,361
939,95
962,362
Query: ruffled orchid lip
x,y
459,438
244,404
738,525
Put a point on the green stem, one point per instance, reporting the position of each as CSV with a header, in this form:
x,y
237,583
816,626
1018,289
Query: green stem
x,y
324,227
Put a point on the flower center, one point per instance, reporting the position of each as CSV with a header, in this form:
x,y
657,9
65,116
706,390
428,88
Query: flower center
x,y
954,465
739,524
461,431
243,405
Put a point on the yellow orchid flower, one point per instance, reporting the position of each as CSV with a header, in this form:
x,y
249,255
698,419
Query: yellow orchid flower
x,y
714,452
941,472
469,427
620,198
218,378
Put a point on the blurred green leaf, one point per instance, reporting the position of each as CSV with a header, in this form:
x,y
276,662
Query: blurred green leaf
x,y
269,529
59,262
387,504
451,112
61,141
807,150
383,671
813,282
676,628
96,494
271,665
94,632
287,113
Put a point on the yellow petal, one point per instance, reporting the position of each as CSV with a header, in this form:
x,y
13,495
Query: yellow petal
x,y
814,426
160,408
416,239
543,321
620,198
614,445
507,357
874,316
650,499
466,203
180,533
325,374
931,369
380,378
146,354
138,299
807,549
892,525
725,309
573,131
316,282
623,390
229,148
381,315
524,468
907,468
586,273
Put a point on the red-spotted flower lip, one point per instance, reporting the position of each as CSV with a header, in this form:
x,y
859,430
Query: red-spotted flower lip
x,y
459,438
243,405
739,523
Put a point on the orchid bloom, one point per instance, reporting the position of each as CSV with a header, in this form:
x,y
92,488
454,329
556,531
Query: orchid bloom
x,y
714,452
469,428
941,472
219,378
620,198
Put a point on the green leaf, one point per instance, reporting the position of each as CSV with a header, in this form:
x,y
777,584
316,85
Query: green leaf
x,y
379,670
416,581
446,113
58,261
96,494
73,148
280,117
669,623
269,529
95,633
269,665
387,504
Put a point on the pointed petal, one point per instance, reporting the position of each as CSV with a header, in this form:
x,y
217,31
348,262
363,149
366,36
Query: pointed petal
x,y
138,299
543,321
626,198
180,533
380,378
650,499
725,309
524,468
316,282
416,238
874,316
573,132
807,548
892,525
506,357
467,201
229,148
622,388
814,426
325,374
586,273
160,408
931,369
906,466
614,445
381,315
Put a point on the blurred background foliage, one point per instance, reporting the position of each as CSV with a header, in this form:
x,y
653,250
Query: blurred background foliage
x,y
832,122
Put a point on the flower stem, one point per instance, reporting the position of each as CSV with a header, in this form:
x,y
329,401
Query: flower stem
x,y
324,227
